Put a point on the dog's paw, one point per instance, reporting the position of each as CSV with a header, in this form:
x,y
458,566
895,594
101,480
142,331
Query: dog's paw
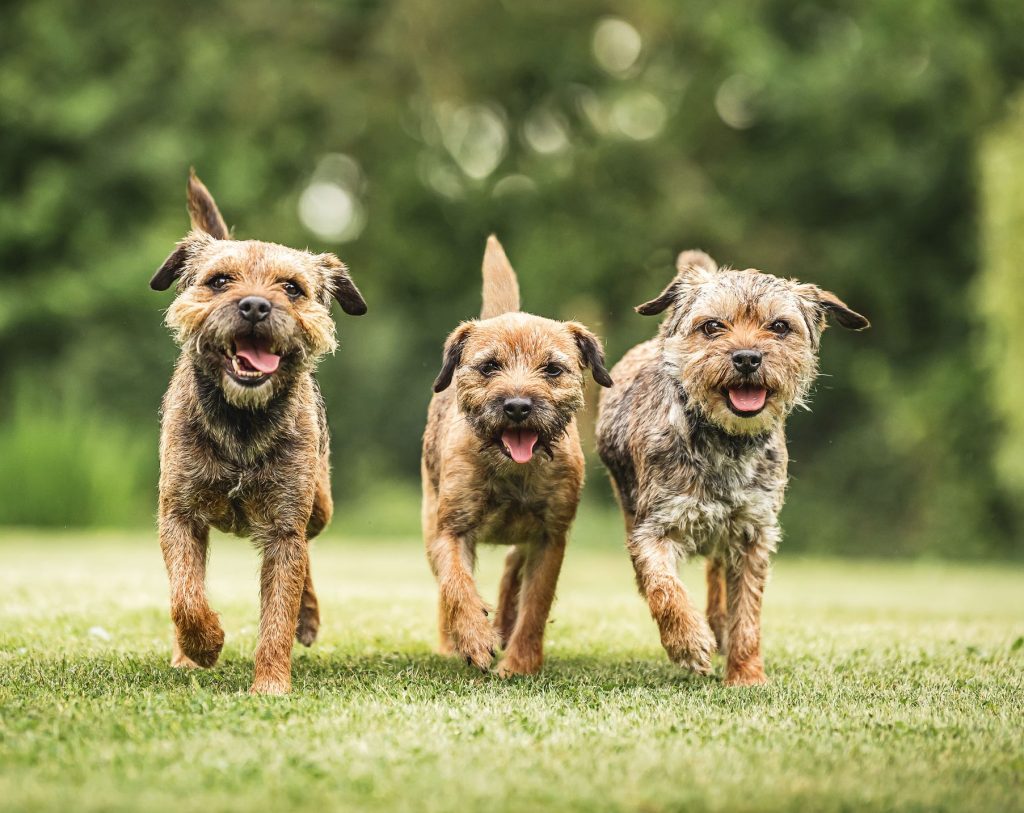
x,y
271,686
201,642
516,663
692,647
747,673
179,660
474,639
308,627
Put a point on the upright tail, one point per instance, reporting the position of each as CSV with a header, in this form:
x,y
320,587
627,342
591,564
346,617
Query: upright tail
x,y
501,288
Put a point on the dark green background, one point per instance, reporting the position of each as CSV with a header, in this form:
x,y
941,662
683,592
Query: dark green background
x,y
836,142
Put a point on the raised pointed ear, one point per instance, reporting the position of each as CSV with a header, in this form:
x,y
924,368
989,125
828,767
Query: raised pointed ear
x,y
690,266
341,286
175,265
591,353
828,304
203,211
452,355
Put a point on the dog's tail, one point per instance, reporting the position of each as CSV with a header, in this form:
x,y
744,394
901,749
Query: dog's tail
x,y
501,288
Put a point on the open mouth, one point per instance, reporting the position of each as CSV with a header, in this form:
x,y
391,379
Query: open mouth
x,y
519,443
250,361
746,401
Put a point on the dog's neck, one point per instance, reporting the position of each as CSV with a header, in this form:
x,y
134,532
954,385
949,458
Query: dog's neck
x,y
244,434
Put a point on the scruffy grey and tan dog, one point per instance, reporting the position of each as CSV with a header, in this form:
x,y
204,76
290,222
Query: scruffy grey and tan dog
x,y
693,437
244,445
502,464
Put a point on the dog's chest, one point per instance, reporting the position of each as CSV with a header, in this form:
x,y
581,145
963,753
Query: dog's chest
x,y
513,513
725,502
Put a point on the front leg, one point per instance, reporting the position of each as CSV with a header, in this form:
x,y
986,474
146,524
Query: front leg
x,y
540,570
283,576
464,626
746,574
197,631
685,634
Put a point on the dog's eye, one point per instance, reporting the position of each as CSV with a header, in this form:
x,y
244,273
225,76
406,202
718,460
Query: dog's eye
x,y
780,327
712,327
553,370
219,282
489,368
293,290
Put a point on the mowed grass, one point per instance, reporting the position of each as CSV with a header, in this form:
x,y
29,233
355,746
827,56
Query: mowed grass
x,y
894,686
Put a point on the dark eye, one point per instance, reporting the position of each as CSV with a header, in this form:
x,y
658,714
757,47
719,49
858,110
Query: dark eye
x,y
553,370
780,327
489,368
293,290
712,327
219,282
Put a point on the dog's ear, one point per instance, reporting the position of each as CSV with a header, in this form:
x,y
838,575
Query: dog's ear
x,y
661,301
341,286
452,355
176,264
591,353
690,267
827,304
203,211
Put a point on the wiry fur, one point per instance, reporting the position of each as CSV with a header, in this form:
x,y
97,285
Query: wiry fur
x,y
694,477
248,460
473,492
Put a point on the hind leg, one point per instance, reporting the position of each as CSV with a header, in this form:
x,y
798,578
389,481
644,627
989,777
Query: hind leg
x,y
717,614
508,595
309,613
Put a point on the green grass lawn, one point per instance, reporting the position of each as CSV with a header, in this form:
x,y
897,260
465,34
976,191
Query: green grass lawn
x,y
893,686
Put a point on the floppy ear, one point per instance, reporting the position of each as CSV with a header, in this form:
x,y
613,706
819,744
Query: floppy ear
x,y
203,211
453,347
828,304
167,273
844,316
690,265
341,286
591,353
662,301
175,265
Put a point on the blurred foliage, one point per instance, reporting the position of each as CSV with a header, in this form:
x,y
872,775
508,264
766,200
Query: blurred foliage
x,y
830,141
1001,285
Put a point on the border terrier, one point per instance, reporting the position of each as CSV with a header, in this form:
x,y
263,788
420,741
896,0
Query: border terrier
x,y
502,464
693,437
243,443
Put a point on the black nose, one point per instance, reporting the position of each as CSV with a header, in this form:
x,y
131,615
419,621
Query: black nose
x,y
746,361
518,408
255,308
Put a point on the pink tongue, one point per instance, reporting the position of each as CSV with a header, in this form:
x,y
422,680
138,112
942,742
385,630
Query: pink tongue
x,y
748,399
520,443
260,359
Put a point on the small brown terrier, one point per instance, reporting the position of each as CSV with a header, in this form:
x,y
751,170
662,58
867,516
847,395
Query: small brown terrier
x,y
502,464
244,445
693,437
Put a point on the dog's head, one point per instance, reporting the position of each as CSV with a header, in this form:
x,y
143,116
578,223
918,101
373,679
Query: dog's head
x,y
251,315
519,378
743,344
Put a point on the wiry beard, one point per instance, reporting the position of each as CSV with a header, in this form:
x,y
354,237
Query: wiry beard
x,y
549,421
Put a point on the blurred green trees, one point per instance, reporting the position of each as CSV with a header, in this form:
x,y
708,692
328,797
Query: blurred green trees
x,y
831,141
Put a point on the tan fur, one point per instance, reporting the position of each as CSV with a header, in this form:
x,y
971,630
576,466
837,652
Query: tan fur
x,y
474,493
694,476
245,459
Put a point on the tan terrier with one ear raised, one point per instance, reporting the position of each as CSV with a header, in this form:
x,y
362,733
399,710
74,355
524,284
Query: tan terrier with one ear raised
x,y
244,445
502,464
693,437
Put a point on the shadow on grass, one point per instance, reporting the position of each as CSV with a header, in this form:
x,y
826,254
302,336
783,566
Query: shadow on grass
x,y
317,674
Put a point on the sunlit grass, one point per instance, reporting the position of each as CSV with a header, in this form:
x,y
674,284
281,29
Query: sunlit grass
x,y
893,686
